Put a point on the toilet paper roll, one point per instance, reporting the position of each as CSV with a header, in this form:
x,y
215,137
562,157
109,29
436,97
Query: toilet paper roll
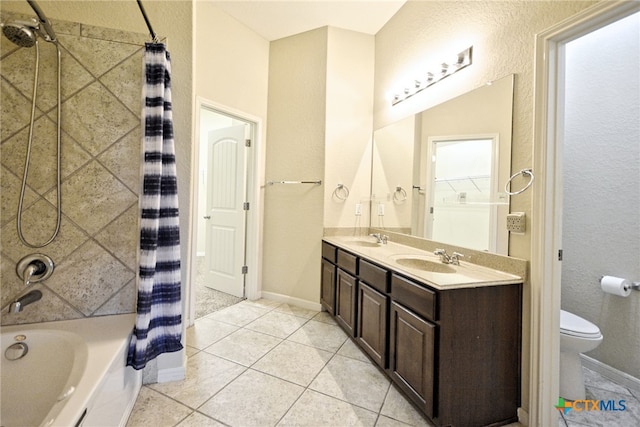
x,y
615,286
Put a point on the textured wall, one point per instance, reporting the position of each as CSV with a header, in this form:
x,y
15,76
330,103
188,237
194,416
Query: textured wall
x,y
601,188
295,137
502,34
349,119
95,251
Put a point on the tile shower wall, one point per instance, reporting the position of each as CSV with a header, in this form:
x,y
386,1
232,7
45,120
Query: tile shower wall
x,y
95,251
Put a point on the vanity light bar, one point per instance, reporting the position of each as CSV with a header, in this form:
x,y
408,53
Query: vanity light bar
x,y
462,60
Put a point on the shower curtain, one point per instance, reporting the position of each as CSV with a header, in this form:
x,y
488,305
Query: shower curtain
x,y
158,327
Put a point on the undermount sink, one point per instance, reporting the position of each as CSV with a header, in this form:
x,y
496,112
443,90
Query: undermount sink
x,y
421,263
364,243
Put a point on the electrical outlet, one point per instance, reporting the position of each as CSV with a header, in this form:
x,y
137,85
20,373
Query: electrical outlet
x,y
358,209
516,222
380,209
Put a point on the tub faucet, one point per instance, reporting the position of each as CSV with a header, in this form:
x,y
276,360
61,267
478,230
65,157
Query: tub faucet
x,y
30,271
34,268
20,303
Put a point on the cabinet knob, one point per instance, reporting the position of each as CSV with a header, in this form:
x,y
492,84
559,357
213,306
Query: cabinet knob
x,y
207,217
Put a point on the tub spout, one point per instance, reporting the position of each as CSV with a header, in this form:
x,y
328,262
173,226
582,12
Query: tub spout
x,y
19,304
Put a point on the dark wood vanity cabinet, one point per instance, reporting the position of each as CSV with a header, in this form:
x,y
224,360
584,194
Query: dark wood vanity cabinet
x,y
328,287
373,309
412,365
346,301
344,291
455,353
328,278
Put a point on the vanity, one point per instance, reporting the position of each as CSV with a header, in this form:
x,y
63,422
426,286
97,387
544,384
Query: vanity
x,y
449,336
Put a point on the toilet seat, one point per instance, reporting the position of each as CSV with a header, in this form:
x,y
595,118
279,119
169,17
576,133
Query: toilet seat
x,y
576,326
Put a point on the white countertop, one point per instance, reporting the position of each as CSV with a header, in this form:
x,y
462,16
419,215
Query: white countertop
x,y
465,275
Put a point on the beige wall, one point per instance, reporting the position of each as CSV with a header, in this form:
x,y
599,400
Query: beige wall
x,y
319,128
502,34
231,61
293,214
349,106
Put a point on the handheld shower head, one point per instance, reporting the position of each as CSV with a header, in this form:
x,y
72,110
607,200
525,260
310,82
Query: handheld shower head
x,y
45,28
20,33
25,34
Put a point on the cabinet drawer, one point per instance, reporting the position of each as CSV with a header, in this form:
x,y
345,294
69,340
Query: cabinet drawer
x,y
414,296
374,276
329,252
347,261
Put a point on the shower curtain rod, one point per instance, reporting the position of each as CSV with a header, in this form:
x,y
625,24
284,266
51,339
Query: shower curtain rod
x,y
154,38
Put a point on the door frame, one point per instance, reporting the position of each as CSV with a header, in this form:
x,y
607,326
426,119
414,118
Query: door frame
x,y
546,222
497,242
253,237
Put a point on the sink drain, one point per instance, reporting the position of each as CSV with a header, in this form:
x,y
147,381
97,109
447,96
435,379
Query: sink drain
x,y
16,351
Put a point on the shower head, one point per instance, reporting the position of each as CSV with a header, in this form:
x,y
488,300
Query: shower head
x,y
21,33
45,28
25,34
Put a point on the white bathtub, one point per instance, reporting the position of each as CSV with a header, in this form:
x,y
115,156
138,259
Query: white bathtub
x,y
73,374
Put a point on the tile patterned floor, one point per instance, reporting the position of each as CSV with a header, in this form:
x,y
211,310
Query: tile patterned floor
x,y
600,388
262,363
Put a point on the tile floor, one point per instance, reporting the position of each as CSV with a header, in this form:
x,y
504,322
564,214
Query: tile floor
x,y
262,363
601,388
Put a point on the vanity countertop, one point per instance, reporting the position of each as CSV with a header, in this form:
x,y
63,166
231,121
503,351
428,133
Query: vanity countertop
x,y
422,265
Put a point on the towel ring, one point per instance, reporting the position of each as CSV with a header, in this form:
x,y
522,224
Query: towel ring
x,y
400,195
507,187
341,192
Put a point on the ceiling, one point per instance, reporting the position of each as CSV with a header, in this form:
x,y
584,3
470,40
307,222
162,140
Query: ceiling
x,y
277,19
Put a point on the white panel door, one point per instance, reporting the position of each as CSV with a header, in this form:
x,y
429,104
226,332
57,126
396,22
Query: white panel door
x,y
226,217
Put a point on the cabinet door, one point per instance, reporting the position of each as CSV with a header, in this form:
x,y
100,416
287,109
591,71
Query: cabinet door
x,y
346,301
328,286
372,323
412,350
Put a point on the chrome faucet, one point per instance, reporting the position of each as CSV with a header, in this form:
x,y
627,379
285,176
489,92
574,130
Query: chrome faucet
x,y
30,271
20,303
34,268
454,258
380,238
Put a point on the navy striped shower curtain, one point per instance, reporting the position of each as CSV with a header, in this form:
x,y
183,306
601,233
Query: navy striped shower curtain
x,y
158,327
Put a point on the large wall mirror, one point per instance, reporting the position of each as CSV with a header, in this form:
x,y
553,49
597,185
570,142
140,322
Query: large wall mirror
x,y
440,174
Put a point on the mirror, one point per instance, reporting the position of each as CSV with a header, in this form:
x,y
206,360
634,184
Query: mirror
x,y
441,173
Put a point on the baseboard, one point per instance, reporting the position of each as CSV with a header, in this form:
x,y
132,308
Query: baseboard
x,y
611,373
309,305
523,417
172,374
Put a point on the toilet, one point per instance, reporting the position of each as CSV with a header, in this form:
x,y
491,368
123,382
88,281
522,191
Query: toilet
x,y
577,336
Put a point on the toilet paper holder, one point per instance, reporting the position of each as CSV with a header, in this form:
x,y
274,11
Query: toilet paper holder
x,y
634,285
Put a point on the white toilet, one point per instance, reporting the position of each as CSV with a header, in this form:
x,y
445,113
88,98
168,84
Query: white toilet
x,y
577,335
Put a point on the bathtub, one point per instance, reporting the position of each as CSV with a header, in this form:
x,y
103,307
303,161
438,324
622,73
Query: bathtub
x,y
72,374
